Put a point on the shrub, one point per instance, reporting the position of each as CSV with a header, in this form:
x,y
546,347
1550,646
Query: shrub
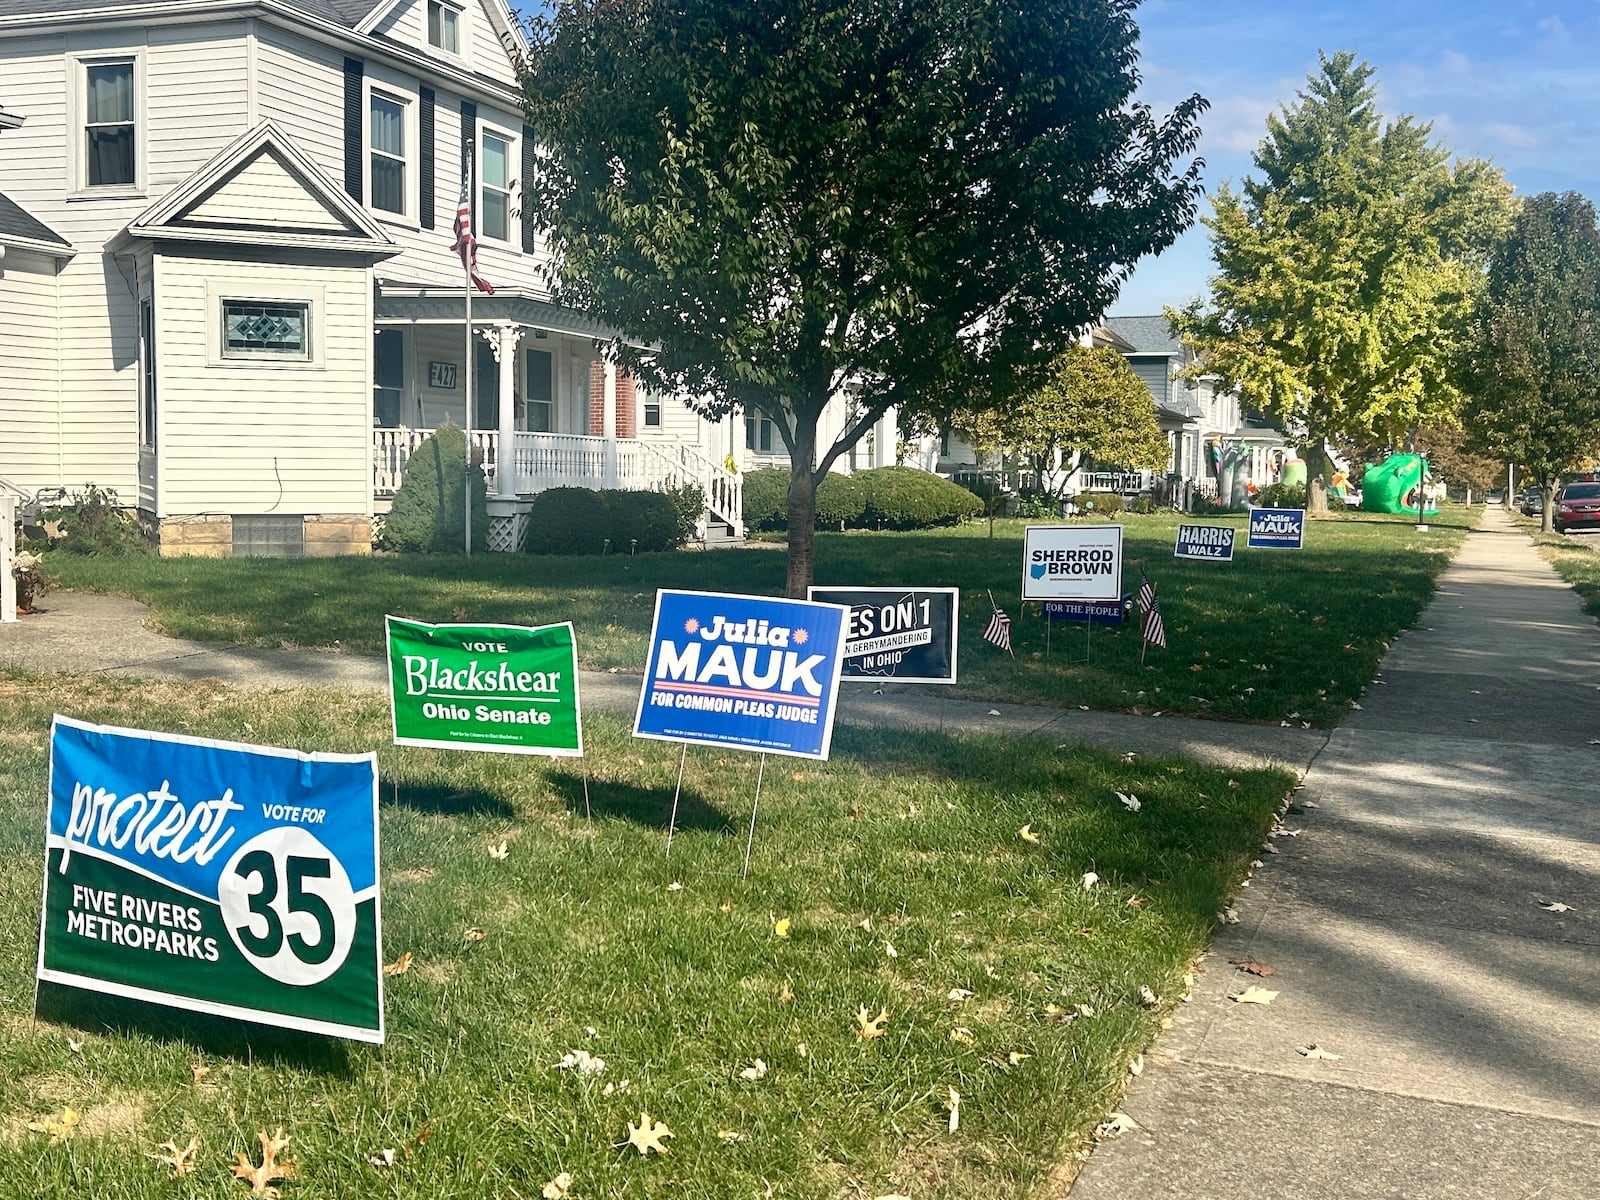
x,y
569,521
1144,505
1101,504
649,519
1281,495
690,502
841,501
428,511
766,499
92,523
906,498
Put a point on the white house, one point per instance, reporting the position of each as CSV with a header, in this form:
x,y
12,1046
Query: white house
x,y
227,289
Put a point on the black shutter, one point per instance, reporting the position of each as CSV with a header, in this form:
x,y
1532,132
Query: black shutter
x,y
469,145
355,137
529,165
425,177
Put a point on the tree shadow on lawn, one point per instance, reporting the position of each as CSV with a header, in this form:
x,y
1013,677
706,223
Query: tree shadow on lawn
x,y
443,800
648,807
229,1037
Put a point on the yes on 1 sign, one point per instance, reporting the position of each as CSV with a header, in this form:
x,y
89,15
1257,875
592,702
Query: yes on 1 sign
x,y
215,877
1277,528
485,687
907,635
745,672
1072,562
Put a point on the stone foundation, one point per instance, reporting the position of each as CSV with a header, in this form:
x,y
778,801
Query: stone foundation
x,y
196,537
328,535
324,535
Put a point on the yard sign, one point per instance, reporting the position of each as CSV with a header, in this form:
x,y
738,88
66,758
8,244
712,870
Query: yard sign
x,y
742,672
1072,562
485,687
215,877
1277,528
1213,543
907,635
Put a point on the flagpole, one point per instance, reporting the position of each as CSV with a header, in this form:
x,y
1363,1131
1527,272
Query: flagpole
x,y
466,368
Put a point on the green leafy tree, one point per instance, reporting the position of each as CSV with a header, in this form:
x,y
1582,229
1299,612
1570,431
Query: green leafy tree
x,y
1452,458
791,199
1534,374
1093,402
1347,268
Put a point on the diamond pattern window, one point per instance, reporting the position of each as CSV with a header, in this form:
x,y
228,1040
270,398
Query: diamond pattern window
x,y
266,329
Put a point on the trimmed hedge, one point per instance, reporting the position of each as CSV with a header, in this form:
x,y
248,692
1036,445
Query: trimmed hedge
x,y
1104,502
1281,495
428,511
906,498
841,500
581,521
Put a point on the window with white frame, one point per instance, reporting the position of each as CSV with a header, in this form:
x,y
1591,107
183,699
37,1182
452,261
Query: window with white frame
x,y
444,26
387,160
110,123
494,210
759,436
266,329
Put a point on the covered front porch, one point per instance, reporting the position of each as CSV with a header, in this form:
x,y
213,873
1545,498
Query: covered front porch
x,y
546,410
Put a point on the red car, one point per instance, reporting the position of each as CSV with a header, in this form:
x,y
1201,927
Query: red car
x,y
1578,507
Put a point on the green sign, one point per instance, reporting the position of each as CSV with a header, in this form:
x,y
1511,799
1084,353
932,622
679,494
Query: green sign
x,y
485,687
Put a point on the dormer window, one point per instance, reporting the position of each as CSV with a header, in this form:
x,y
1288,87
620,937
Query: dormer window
x,y
109,125
444,27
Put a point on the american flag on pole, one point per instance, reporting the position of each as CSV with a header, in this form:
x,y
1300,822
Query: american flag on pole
x,y
466,245
998,630
1152,628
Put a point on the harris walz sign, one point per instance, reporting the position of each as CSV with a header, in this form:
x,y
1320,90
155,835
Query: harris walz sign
x,y
215,877
743,672
485,687
1213,543
907,635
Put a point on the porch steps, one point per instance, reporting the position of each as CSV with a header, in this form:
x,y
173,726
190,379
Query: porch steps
x,y
721,536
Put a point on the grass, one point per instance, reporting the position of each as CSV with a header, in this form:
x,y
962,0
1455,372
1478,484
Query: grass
x,y
1574,559
1273,635
897,841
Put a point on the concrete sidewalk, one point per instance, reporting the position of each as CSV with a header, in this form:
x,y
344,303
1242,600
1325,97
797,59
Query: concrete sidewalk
x,y
105,634
1408,932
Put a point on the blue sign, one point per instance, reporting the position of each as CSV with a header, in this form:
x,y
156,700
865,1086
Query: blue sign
x,y
1212,542
1277,528
1095,612
215,877
746,672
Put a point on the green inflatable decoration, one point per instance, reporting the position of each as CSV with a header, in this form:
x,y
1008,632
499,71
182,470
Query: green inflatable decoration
x,y
1293,473
1394,485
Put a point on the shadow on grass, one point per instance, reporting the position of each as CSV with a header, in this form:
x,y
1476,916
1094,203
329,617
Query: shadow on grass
x,y
650,807
442,800
224,1036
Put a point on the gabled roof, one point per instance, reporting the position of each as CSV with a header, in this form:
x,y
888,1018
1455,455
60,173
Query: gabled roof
x,y
1147,335
348,13
23,229
263,191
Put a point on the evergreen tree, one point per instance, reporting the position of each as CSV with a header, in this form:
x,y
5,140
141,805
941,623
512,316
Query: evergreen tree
x,y
428,513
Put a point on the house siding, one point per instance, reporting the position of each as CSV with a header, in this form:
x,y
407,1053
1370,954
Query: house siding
x,y
28,363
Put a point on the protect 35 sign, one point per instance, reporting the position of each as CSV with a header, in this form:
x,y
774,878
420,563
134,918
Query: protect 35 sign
x,y
746,672
1277,528
904,634
215,877
1072,562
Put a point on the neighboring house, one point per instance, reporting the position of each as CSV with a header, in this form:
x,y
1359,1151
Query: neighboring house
x,y
227,289
1201,421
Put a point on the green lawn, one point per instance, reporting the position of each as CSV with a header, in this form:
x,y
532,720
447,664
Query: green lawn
x,y
1274,635
903,843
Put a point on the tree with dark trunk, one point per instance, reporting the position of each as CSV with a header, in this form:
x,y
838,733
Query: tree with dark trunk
x,y
909,204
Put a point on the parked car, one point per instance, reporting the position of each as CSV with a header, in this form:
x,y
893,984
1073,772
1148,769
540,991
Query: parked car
x,y
1578,507
1532,503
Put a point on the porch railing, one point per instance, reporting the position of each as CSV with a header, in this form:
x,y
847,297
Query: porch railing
x,y
393,448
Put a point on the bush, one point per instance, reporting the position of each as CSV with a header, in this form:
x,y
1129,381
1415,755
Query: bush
x,y
1281,495
906,498
92,523
766,499
690,503
649,519
1144,505
569,521
1101,504
841,501
428,511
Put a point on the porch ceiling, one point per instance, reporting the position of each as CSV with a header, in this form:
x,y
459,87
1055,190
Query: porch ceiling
x,y
436,306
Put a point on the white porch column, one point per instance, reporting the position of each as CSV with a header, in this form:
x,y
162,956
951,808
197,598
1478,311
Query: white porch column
x,y
886,440
608,422
8,551
503,341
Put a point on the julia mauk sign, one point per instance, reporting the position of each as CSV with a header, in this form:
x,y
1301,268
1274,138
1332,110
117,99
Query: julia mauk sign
x,y
1072,562
1277,528
745,672
485,687
215,877
904,635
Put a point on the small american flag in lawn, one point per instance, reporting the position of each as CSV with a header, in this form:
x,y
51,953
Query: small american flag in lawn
x,y
1153,629
466,245
998,630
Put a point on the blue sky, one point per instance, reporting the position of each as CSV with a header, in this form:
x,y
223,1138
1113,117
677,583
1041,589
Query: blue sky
x,y
1515,82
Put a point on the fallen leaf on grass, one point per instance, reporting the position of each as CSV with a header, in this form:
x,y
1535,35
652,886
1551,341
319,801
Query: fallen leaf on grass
x,y
729,1136
261,1178
383,1159
583,1061
1148,998
754,1073
1135,901
58,1125
474,934
994,712
959,994
954,1105
1115,1125
1229,915
1089,880
888,949
1250,967
398,967
962,1035
1136,1067
558,1187
1554,906
646,1136
620,1088
1017,1057
674,886
868,1026
785,993
501,852
74,1046
780,927
1254,995
181,1160
1315,1051
199,1071
1027,834
1129,801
